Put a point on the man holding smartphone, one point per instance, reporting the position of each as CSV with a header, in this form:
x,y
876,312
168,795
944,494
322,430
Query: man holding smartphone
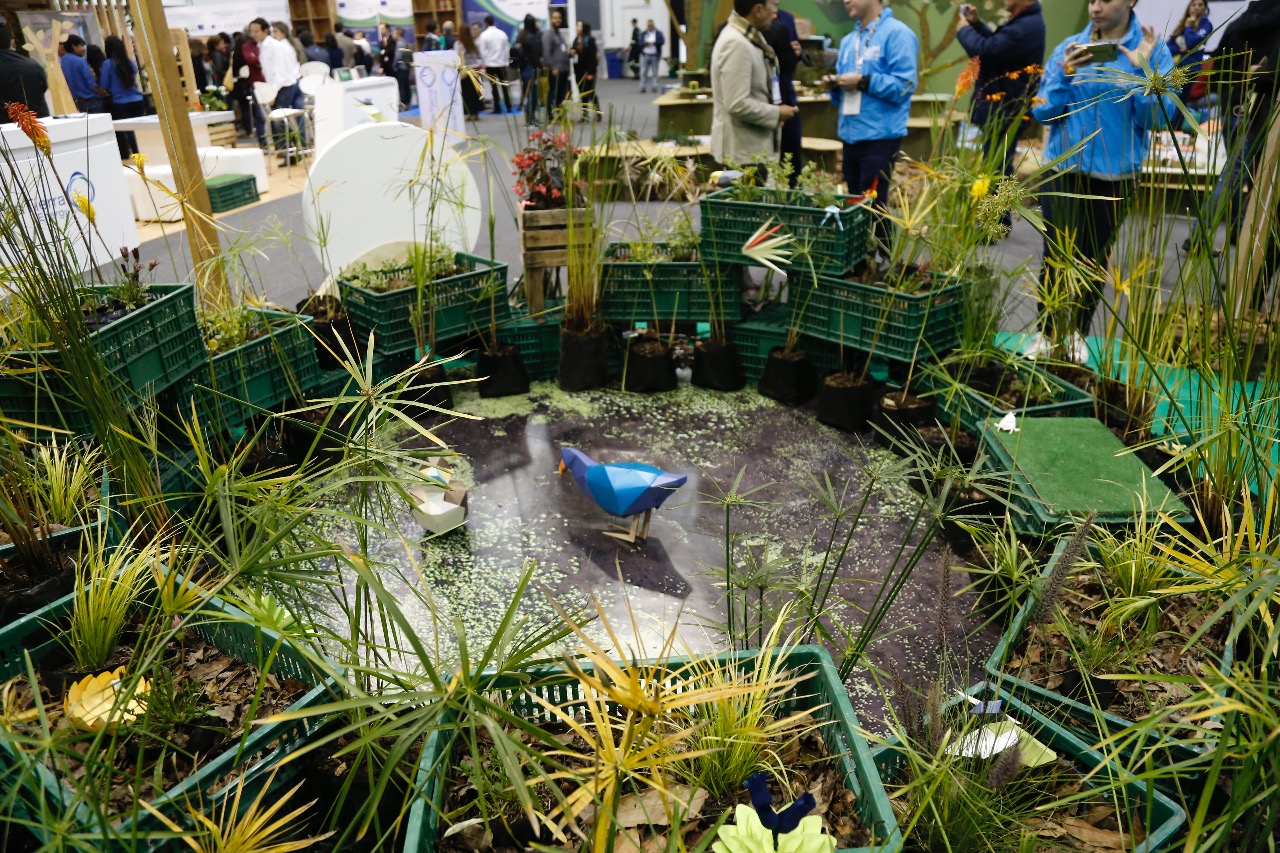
x,y
1004,89
872,87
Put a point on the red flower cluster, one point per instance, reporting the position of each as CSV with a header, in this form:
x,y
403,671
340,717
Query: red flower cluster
x,y
540,168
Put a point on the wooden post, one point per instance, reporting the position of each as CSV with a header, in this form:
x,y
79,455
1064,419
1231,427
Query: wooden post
x,y
46,50
1255,231
156,45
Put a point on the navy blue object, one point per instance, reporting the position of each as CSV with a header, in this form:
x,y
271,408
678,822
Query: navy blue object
x,y
762,801
621,488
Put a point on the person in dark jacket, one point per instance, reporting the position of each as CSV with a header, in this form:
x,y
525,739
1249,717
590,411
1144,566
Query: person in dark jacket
x,y
530,43
334,50
785,41
586,65
555,58
82,82
22,79
633,50
1010,57
1246,80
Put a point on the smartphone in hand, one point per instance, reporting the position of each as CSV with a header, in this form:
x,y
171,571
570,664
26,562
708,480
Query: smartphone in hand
x,y
1103,52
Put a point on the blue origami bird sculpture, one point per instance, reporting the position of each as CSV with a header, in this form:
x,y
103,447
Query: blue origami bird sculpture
x,y
626,489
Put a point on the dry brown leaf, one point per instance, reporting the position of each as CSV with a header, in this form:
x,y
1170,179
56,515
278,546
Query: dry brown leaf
x,y
655,844
651,807
1104,838
227,713
207,671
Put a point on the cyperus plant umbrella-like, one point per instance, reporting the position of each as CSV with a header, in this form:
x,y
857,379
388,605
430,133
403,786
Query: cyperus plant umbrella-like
x,y
626,489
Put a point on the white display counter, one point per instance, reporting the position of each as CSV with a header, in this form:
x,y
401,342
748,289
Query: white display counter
x,y
341,106
151,139
87,162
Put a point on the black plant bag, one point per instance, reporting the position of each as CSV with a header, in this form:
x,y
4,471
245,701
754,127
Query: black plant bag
x,y
847,408
793,381
503,374
717,367
584,359
648,374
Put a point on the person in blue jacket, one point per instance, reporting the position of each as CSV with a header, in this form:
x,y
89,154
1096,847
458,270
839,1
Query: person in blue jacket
x,y
872,87
84,87
1187,42
1082,104
1009,59
120,77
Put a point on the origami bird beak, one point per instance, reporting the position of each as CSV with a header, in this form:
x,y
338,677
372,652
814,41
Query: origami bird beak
x,y
563,468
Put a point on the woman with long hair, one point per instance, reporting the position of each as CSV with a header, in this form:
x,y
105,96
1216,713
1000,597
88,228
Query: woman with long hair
x,y
335,51
1083,101
120,78
469,54
280,32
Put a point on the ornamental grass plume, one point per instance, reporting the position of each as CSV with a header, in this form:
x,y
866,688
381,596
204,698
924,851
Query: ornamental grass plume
x,y
1004,768
968,76
29,123
1071,555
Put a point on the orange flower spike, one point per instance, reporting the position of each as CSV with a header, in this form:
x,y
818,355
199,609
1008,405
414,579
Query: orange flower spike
x,y
968,76
29,124
764,236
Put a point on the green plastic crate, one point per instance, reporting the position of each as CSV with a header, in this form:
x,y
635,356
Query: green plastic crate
x,y
754,340
236,385
901,326
73,534
1040,501
144,352
837,241
822,693
1086,721
461,308
539,345
632,292
227,192
227,628
1161,817
971,409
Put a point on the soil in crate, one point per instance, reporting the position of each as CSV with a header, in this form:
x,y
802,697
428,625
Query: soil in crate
x,y
810,767
19,597
162,754
1010,390
1044,657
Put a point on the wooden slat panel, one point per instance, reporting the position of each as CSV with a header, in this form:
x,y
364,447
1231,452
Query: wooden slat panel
x,y
531,219
546,258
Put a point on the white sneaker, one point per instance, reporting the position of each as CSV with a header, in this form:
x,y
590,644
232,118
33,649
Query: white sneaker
x,y
1038,345
1078,349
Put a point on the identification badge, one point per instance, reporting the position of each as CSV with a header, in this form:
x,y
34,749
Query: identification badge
x,y
775,90
852,104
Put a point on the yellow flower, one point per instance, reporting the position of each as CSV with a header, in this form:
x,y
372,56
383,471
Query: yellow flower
x,y
140,162
92,702
980,187
86,206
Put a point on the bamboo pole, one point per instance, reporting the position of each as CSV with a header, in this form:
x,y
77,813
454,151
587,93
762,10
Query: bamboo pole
x,y
156,45
1255,231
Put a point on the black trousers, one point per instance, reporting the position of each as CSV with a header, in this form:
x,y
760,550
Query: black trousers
x,y
127,141
791,135
557,92
472,96
1085,227
587,88
501,86
870,163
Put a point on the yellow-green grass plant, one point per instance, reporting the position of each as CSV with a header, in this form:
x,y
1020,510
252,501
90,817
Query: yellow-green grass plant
x,y
741,733
68,481
108,582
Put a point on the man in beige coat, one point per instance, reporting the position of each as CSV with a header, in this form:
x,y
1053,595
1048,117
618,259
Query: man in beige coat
x,y
744,87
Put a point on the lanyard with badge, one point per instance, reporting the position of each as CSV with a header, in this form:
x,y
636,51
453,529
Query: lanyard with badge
x,y
852,103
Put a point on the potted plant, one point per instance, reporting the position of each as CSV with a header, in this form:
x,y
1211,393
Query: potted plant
x,y
647,364
558,188
722,698
51,496
331,323
837,230
153,691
